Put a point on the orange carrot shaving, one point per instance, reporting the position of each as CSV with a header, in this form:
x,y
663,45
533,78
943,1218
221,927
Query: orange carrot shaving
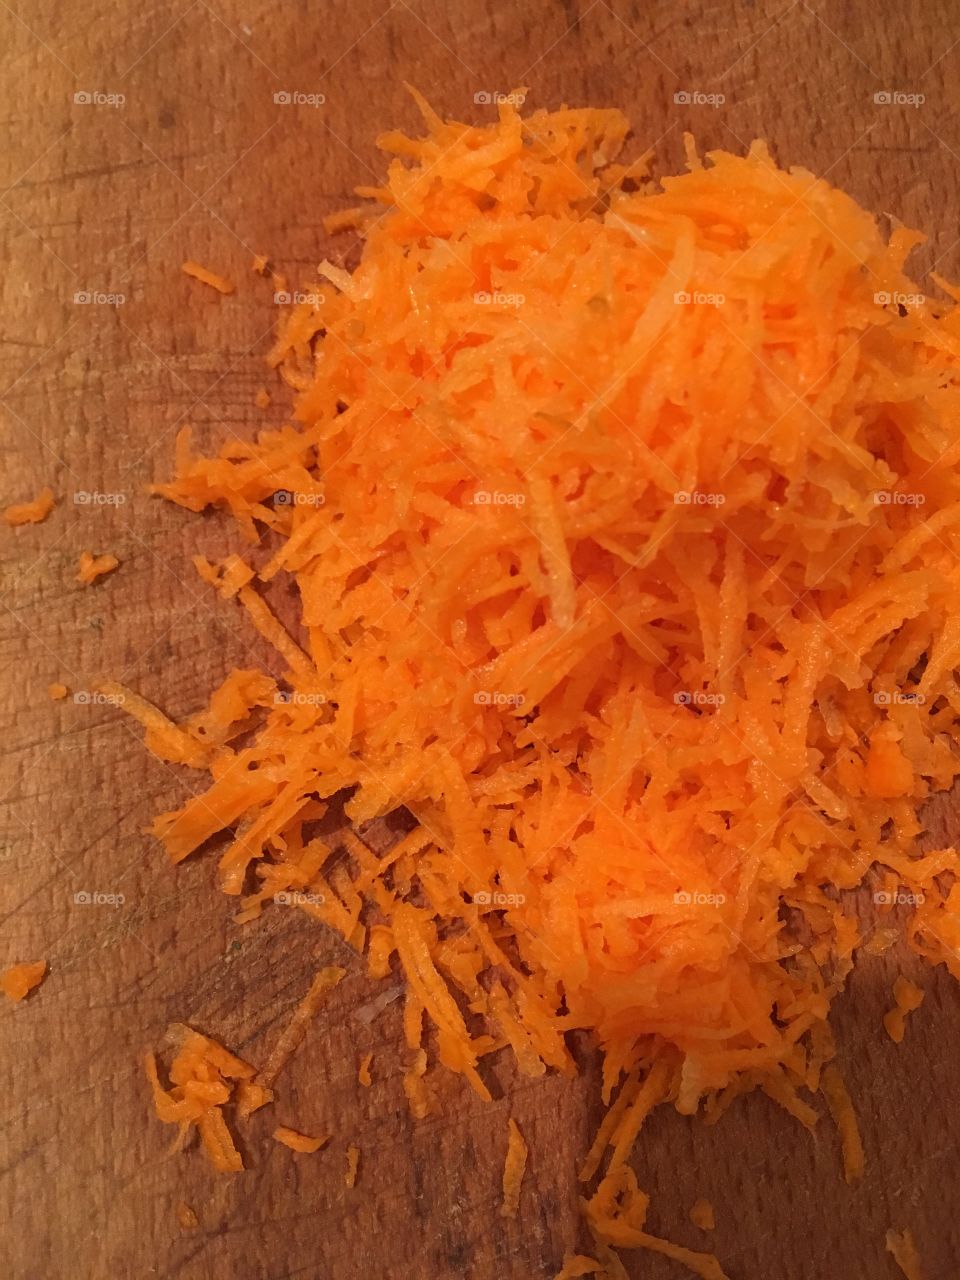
x,y
577,1265
296,1028
205,276
93,567
20,979
621,522
513,1170
57,691
260,261
262,398
353,1161
908,997
187,1217
34,512
703,1216
298,1141
905,1255
363,1074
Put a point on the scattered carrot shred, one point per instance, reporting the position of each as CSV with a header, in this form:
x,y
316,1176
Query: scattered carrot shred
x,y
34,512
703,1216
262,398
57,691
93,567
20,979
908,997
363,1073
187,1217
513,1170
296,1028
205,276
577,1265
353,1162
624,523
260,261
901,1245
298,1141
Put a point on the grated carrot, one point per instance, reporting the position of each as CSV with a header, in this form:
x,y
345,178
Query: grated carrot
x,y
353,1162
296,1028
20,979
262,398
57,691
363,1074
298,1141
905,1255
205,276
703,1216
513,1170
623,523
93,567
34,512
908,997
187,1217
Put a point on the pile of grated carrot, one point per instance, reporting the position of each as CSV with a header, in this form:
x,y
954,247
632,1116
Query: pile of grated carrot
x,y
624,523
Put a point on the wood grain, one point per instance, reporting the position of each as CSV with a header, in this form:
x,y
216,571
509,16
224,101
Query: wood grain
x,y
200,160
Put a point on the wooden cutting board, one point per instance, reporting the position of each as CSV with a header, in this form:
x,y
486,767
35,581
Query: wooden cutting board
x,y
202,159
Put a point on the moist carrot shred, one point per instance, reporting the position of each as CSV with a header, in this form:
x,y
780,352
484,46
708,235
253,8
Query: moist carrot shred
x,y
363,1073
901,1245
298,1141
19,980
353,1162
186,1216
908,997
622,518
205,276
513,1170
262,398
296,1028
703,1216
57,691
93,567
33,512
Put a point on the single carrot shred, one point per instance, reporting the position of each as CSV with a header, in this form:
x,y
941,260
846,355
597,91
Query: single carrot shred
x,y
19,980
513,1170
33,512
93,567
353,1162
703,1216
205,276
363,1073
296,1028
298,1141
908,997
845,1118
901,1245
187,1217
57,691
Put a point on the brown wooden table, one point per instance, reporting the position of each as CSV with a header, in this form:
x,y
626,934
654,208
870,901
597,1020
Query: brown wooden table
x,y
199,160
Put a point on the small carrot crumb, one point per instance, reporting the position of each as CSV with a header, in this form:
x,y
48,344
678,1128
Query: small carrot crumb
x,y
905,1255
262,398
93,567
57,691
576,1265
908,997
702,1215
513,1169
250,1096
205,276
20,979
345,219
298,1141
353,1161
845,1118
260,263
34,512
363,1075
186,1217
